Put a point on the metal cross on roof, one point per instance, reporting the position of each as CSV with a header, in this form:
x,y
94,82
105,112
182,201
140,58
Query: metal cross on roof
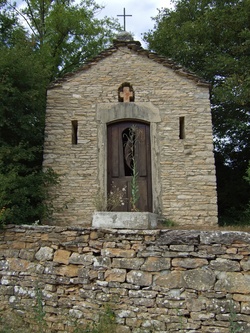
x,y
124,18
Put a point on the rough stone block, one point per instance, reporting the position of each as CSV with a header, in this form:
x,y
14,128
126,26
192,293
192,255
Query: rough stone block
x,y
44,253
134,263
189,262
170,280
139,278
199,279
233,282
62,256
116,275
156,264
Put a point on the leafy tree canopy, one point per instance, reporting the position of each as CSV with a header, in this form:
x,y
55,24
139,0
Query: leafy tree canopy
x,y
22,103
39,41
66,33
212,38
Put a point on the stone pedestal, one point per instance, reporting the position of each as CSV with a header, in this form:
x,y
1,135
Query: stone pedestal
x,y
124,220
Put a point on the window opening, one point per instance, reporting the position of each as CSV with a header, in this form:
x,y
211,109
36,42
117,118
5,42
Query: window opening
x,y
182,127
74,126
126,93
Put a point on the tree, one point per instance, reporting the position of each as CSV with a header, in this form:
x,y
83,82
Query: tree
x,y
66,33
212,38
22,101
38,43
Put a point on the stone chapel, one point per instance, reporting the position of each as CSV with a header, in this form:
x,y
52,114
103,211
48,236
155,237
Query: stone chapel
x,y
93,117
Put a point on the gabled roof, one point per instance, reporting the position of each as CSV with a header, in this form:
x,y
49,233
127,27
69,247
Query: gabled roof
x,y
135,46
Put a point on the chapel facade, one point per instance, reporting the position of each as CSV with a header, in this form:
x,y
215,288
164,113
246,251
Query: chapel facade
x,y
130,120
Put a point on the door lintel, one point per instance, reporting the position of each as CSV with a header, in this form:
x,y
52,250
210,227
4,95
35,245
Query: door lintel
x,y
144,111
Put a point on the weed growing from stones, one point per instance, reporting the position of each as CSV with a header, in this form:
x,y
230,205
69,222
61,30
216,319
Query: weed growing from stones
x,y
12,323
234,327
165,222
180,317
105,324
40,313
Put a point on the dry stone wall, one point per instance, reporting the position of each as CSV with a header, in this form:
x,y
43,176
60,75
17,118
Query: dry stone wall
x,y
153,280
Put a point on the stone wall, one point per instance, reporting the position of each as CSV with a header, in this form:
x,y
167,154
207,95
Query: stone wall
x,y
183,172
154,280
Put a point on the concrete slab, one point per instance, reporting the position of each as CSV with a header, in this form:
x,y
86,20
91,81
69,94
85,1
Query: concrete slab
x,y
124,220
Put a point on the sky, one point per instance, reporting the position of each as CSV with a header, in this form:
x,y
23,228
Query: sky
x,y
142,12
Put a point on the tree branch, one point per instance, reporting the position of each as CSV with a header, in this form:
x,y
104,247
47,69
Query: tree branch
x,y
25,19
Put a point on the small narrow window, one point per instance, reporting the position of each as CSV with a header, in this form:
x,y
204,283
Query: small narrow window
x,y
74,125
182,127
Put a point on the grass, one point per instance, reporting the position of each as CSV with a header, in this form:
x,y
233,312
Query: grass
x,y
105,324
169,224
12,322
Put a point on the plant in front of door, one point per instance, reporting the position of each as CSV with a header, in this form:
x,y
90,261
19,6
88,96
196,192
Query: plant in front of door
x,y
134,188
115,198
131,139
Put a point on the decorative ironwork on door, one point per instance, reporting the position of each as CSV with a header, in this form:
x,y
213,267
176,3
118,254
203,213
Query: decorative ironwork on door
x,y
129,164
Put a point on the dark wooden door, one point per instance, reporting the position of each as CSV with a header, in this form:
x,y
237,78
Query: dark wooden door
x,y
129,165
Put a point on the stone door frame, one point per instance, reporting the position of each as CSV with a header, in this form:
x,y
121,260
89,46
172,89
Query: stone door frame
x,y
121,149
107,113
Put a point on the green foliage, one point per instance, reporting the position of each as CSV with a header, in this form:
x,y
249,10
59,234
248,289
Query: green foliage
x,y
131,141
41,325
12,323
115,198
181,321
22,96
23,82
22,197
135,196
61,35
212,38
67,33
165,222
247,176
234,326
245,216
105,324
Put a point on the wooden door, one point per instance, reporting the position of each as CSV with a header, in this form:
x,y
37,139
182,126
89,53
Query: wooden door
x,y
129,166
